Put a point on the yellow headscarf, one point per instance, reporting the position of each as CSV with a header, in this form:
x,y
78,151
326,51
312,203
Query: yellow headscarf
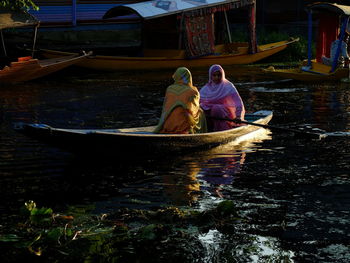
x,y
183,76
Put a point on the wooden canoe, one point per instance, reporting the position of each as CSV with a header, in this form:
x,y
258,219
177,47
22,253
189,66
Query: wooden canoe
x,y
226,54
29,69
136,140
317,72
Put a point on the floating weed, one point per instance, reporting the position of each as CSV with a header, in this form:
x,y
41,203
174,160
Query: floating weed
x,y
38,215
9,238
125,236
170,214
137,201
227,208
149,232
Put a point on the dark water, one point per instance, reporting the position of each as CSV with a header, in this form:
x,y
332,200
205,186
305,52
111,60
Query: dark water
x,y
295,191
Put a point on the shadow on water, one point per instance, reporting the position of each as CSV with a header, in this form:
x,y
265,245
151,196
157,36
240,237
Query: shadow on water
x,y
293,193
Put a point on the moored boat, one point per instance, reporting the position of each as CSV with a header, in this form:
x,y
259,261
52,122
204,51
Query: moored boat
x,y
321,68
317,72
27,68
31,68
171,58
183,33
137,140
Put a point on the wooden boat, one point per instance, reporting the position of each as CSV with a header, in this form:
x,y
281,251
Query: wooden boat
x,y
28,68
171,58
32,68
186,46
317,72
136,140
315,69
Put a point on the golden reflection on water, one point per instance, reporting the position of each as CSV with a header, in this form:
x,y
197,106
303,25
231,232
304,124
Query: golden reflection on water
x,y
213,168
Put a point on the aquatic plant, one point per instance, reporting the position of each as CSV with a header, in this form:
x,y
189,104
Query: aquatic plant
x,y
18,4
38,215
125,235
227,208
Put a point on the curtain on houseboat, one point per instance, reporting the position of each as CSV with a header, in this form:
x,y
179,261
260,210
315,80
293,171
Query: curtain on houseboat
x,y
328,30
199,35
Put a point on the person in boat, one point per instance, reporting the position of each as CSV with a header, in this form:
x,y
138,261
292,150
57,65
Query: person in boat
x,y
343,59
220,99
181,113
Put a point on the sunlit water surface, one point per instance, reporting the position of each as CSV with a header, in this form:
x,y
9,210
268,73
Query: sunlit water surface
x,y
276,180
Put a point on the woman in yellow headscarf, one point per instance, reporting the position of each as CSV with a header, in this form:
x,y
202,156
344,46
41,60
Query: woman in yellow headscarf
x,y
181,112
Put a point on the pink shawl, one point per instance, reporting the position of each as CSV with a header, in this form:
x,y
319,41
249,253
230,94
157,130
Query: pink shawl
x,y
223,95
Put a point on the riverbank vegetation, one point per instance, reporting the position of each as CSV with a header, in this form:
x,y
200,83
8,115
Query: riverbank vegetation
x,y
293,54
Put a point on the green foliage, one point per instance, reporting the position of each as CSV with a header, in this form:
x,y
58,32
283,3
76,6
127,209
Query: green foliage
x,y
226,208
38,215
125,236
41,212
238,35
269,37
55,234
170,214
149,232
296,51
9,238
18,4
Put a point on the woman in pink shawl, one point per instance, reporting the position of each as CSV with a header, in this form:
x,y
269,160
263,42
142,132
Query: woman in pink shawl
x,y
220,99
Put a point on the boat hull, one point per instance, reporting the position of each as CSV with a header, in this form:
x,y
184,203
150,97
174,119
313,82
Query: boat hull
x,y
137,140
318,72
34,68
173,59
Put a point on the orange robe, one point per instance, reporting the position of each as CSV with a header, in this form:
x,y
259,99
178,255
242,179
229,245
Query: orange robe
x,y
181,111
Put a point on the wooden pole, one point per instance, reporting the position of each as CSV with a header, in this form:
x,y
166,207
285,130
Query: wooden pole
x,y
252,29
3,43
34,40
228,27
